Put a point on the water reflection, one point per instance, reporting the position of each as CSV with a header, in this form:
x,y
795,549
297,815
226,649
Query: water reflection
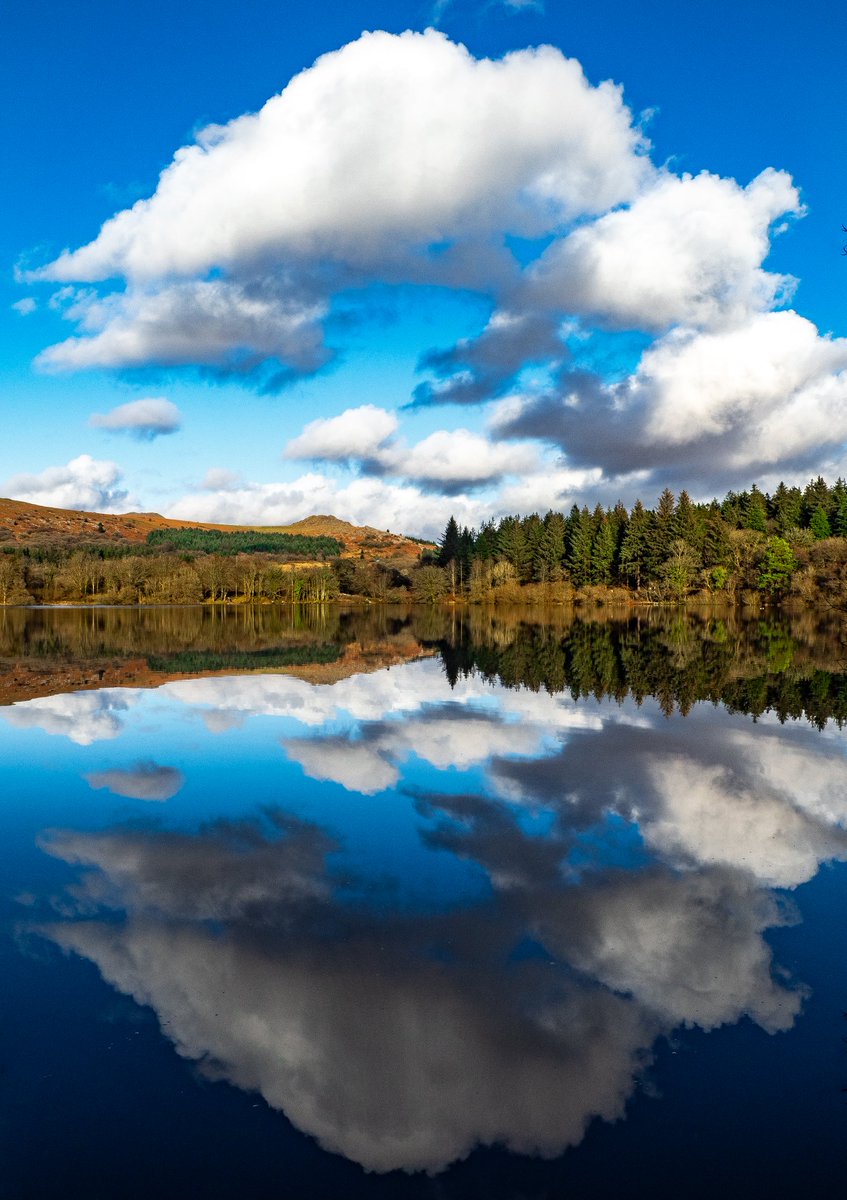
x,y
83,717
624,870
794,665
144,781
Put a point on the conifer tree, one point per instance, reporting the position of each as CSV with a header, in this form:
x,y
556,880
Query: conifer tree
x,y
756,511
580,539
661,533
786,507
819,525
689,523
485,543
449,546
839,516
511,544
602,548
634,547
815,496
717,547
534,533
551,550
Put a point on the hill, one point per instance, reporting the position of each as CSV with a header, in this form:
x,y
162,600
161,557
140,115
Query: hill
x,y
22,523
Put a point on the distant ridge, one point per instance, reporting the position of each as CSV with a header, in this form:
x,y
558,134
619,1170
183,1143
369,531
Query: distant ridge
x,y
22,523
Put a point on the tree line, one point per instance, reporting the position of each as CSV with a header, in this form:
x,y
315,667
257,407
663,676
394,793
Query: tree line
x,y
791,544
94,575
749,541
246,541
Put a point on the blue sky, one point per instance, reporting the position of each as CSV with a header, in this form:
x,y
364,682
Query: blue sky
x,y
445,271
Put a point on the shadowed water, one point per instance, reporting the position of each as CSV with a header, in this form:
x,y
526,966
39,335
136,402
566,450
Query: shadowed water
x,y
422,904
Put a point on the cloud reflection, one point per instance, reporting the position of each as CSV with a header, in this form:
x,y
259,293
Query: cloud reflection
x,y
144,781
345,1018
83,717
631,866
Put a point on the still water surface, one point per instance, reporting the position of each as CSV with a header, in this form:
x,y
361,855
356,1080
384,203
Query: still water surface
x,y
338,905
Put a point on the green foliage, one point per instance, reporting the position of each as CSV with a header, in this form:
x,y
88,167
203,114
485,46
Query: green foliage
x,y
676,572
756,511
777,566
189,662
215,541
819,525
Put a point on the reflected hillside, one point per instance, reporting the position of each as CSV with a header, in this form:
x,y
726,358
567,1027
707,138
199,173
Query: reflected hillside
x,y
795,667
48,651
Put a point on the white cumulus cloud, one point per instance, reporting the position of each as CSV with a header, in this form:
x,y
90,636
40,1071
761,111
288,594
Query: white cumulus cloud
x,y
145,419
357,433
390,137
86,483
687,251
449,461
211,323
380,151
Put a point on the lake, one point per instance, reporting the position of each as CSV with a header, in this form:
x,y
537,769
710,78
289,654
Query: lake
x,y
422,904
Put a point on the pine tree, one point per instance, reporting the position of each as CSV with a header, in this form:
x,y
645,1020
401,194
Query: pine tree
x,y
731,509
634,547
533,528
450,544
839,516
756,511
786,507
485,543
819,525
815,496
580,539
717,546
551,550
511,544
661,532
602,548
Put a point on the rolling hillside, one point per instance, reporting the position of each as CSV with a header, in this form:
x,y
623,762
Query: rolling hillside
x,y
33,524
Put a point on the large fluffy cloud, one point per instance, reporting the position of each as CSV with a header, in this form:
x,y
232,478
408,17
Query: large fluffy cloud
x,y
766,395
688,252
395,159
209,323
389,142
404,160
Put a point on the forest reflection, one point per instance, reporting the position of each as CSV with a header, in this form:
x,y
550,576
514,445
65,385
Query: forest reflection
x,y
792,665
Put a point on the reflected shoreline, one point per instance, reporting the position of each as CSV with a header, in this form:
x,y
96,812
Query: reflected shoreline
x,y
794,666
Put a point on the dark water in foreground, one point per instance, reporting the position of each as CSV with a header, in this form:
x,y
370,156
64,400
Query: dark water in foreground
x,y
348,905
